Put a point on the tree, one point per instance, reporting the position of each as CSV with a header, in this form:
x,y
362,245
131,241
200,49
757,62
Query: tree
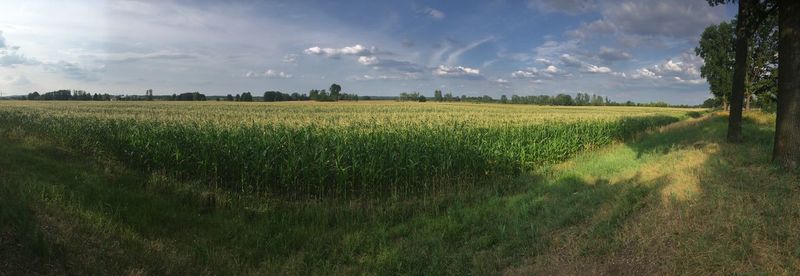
x,y
229,98
749,17
437,95
744,17
335,89
786,150
247,97
716,49
503,99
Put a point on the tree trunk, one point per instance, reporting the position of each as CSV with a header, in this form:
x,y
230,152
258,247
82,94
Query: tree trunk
x,y
739,72
747,102
787,126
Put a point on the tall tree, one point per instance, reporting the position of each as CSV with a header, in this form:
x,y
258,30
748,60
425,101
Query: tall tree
x,y
335,89
786,150
750,16
716,49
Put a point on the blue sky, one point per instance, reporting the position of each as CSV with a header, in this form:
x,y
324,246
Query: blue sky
x,y
626,50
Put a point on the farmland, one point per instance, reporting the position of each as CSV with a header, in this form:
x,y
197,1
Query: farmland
x,y
676,199
333,149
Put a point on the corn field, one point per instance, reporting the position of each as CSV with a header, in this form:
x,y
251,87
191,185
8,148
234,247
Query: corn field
x,y
331,149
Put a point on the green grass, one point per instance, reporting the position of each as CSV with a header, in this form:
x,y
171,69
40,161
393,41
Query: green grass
x,y
675,201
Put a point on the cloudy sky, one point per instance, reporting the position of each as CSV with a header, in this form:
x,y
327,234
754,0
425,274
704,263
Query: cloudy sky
x,y
627,50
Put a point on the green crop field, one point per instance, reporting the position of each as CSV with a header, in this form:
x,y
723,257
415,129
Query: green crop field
x,y
333,149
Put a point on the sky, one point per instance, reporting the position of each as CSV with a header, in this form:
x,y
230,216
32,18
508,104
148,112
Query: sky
x,y
626,50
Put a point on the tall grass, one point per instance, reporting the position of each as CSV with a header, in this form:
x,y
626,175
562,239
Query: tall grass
x,y
375,150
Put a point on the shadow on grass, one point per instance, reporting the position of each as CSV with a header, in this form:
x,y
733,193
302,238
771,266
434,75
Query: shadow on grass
x,y
740,218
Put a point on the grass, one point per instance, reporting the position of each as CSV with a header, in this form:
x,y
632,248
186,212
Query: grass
x,y
675,201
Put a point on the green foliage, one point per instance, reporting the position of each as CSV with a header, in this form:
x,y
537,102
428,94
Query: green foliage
x,y
716,49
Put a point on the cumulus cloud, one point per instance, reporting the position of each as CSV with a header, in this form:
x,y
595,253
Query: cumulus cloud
x,y
457,72
644,73
2,40
368,60
551,69
501,80
270,74
355,50
434,13
534,73
597,69
682,69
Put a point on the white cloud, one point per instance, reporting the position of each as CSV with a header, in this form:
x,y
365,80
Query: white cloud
x,y
644,73
532,73
368,60
597,69
355,50
525,73
457,72
273,74
501,80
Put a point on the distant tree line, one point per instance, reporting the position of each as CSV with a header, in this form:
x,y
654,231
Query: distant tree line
x,y
68,95
333,94
80,95
581,99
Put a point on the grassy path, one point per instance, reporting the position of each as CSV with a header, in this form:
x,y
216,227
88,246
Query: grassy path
x,y
678,200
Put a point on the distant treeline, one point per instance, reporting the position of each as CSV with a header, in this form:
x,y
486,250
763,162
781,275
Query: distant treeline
x,y
334,94
80,95
581,99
